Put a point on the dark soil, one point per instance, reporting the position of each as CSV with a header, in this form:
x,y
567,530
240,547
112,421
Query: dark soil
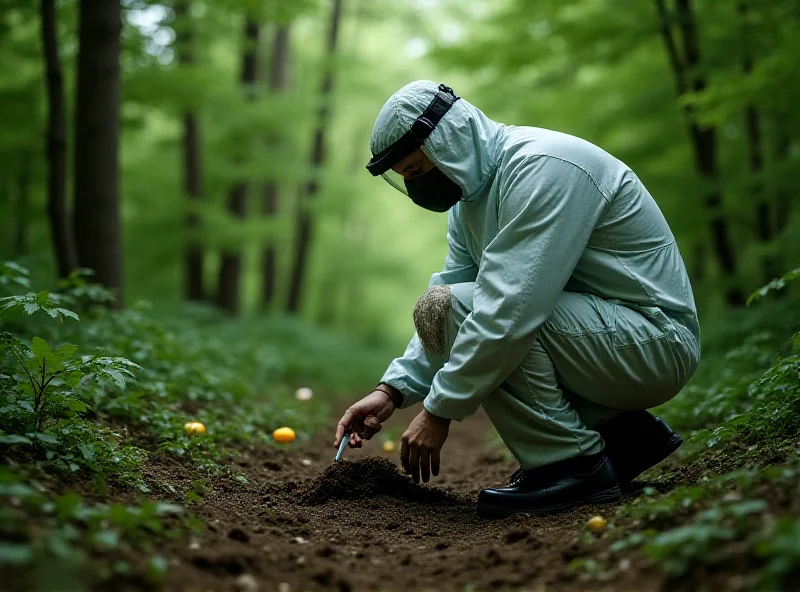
x,y
367,478
300,522
362,525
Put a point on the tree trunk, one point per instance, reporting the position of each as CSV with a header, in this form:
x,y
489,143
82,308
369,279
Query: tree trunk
x,y
704,140
783,202
278,82
193,256
230,268
698,269
97,221
304,222
21,218
56,138
755,159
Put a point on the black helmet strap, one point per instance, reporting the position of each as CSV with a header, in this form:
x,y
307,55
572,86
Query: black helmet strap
x,y
416,136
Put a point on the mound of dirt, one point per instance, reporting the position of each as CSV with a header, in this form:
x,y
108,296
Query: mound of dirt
x,y
368,477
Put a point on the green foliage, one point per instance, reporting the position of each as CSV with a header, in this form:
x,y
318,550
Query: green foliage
x,y
548,57
750,393
98,397
718,522
152,376
35,302
779,546
741,412
774,285
64,533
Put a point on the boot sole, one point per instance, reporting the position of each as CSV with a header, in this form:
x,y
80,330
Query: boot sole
x,y
603,497
671,446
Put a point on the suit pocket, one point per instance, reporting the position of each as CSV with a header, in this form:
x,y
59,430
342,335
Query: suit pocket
x,y
637,325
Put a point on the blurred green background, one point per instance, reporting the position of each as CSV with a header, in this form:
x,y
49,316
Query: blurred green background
x,y
206,159
594,68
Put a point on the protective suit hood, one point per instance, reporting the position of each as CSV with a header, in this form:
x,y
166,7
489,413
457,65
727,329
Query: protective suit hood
x,y
466,145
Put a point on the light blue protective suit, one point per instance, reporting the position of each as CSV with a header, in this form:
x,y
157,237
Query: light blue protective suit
x,y
573,301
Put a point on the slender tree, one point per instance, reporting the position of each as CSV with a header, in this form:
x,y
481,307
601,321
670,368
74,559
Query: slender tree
x,y
231,261
97,221
22,214
56,138
278,82
192,167
685,69
785,196
304,221
755,154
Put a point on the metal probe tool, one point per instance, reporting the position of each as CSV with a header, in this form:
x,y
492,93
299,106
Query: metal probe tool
x,y
342,446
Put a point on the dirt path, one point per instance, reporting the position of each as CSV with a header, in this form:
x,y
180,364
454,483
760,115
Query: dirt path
x,y
290,529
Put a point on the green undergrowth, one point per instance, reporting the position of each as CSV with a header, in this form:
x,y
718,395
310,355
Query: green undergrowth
x,y
743,405
733,490
746,520
63,534
90,395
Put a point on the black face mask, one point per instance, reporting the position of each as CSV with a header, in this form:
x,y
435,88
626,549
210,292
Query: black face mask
x,y
433,191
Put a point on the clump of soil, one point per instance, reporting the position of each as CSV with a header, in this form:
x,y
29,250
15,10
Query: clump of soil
x,y
365,478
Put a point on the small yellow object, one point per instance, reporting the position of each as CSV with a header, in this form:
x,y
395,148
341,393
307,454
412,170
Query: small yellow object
x,y
194,427
283,435
597,524
389,446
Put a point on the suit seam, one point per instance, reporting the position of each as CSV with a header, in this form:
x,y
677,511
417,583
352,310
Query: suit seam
x,y
539,405
638,252
580,168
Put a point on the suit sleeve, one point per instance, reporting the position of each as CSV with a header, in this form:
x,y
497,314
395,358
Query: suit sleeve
x,y
548,210
412,374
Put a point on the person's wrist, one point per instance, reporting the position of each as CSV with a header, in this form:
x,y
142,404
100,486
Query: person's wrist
x,y
441,420
395,396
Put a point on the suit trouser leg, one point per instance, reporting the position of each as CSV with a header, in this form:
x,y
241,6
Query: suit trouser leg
x,y
590,360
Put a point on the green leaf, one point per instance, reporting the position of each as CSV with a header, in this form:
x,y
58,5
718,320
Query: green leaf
x,y
14,554
16,489
116,377
87,450
157,568
41,348
66,352
14,439
30,307
106,539
776,284
67,313
77,406
163,509
49,438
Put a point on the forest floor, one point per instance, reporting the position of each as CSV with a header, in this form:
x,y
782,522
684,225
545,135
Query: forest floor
x,y
102,488
302,523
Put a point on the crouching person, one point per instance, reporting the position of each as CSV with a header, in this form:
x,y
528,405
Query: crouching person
x,y
564,308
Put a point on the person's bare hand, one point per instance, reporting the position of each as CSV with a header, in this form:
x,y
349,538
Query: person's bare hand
x,y
422,444
364,419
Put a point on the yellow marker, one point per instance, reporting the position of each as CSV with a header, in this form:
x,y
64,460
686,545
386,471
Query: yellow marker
x,y
283,435
194,427
597,524
389,446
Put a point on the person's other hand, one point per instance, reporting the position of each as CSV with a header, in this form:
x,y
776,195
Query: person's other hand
x,y
422,443
364,419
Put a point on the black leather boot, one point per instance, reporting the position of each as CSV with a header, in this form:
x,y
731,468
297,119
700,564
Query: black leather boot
x,y
636,441
553,488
